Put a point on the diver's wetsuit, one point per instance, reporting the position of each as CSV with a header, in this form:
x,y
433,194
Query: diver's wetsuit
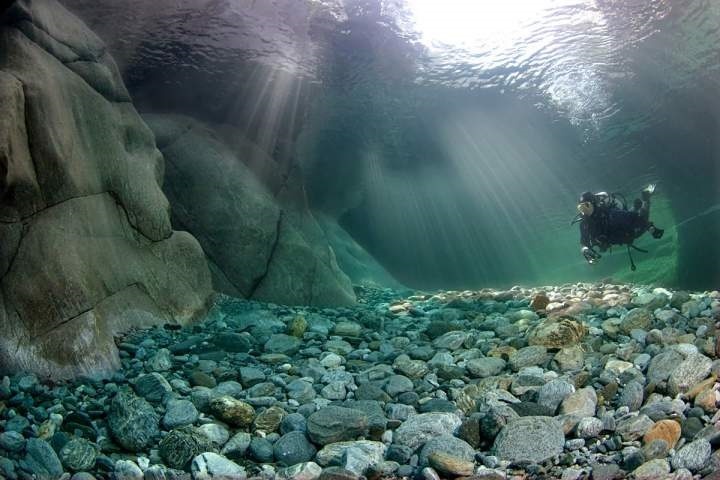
x,y
611,225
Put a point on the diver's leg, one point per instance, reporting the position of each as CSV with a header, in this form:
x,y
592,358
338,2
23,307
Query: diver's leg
x,y
643,211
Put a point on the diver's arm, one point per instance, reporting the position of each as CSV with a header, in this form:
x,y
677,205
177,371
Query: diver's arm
x,y
586,241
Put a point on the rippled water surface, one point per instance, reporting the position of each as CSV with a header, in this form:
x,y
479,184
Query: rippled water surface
x,y
572,53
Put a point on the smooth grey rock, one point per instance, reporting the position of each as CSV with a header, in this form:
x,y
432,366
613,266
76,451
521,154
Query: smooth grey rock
x,y
216,432
334,391
179,413
293,448
418,429
553,393
662,365
528,357
652,470
12,441
450,340
301,390
580,403
250,376
293,422
447,444
485,367
236,447
398,384
89,476
632,396
336,424
127,470
41,459
282,343
261,450
633,427
259,238
533,439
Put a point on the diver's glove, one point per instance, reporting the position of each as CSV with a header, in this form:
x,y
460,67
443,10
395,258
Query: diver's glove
x,y
648,191
590,255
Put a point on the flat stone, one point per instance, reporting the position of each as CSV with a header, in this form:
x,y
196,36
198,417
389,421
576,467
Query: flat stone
x,y
179,413
634,427
447,464
418,429
531,439
294,448
690,371
332,454
336,424
580,403
652,470
485,367
528,357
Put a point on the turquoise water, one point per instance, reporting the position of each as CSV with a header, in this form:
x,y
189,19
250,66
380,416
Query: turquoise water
x,y
332,239
452,139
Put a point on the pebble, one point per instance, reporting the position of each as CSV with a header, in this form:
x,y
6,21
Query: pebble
x,y
602,380
693,456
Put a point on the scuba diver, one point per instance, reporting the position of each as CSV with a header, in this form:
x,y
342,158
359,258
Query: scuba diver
x,y
605,221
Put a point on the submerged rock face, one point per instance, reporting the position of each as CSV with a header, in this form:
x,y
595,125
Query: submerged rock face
x,y
87,247
258,247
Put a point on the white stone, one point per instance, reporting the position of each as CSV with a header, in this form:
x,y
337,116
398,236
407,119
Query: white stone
x,y
209,466
617,366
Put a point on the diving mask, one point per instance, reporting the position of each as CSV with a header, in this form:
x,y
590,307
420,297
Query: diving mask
x,y
586,208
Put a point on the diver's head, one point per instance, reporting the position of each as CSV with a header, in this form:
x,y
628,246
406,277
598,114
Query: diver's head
x,y
586,205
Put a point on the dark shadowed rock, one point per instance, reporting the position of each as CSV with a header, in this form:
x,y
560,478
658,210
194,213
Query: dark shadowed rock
x,y
183,444
336,424
258,247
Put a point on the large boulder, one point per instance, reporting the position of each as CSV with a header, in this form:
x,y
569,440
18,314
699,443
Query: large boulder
x,y
261,239
87,246
353,259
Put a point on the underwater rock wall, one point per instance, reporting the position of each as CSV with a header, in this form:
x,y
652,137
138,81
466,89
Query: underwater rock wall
x,y
261,239
87,247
